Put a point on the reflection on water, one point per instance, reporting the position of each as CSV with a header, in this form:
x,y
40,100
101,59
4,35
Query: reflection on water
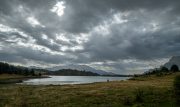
x,y
62,80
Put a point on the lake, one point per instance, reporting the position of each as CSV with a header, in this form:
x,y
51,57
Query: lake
x,y
63,80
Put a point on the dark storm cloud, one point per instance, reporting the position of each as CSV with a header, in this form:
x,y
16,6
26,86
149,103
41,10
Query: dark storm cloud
x,y
132,39
11,58
19,54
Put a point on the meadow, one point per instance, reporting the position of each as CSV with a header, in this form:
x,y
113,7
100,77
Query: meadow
x,y
149,91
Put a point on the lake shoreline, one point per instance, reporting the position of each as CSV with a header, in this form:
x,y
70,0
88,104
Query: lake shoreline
x,y
71,80
155,92
94,75
19,80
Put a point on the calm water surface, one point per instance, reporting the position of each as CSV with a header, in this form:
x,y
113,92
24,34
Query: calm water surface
x,y
62,80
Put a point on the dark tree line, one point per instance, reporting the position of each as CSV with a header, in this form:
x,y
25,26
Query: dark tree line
x,y
173,68
5,68
71,72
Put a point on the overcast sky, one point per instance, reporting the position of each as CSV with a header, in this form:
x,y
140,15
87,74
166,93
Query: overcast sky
x,y
120,36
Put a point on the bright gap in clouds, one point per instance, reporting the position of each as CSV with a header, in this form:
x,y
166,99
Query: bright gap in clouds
x,y
44,36
58,8
118,17
4,28
33,21
61,37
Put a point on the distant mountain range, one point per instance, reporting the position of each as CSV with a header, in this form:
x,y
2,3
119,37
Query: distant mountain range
x,y
81,67
73,67
173,60
30,67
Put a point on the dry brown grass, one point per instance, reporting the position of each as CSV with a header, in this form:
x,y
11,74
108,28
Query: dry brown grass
x,y
9,76
103,94
37,72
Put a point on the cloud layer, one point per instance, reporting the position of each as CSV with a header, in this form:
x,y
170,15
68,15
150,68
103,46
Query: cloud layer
x,y
121,36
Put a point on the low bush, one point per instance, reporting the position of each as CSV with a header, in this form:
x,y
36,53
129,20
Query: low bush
x,y
158,74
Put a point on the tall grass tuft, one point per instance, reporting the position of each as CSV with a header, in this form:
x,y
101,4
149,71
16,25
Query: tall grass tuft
x,y
176,85
126,101
151,90
137,105
139,93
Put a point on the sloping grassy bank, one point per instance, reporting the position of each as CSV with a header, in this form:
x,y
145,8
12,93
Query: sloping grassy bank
x,y
12,78
148,91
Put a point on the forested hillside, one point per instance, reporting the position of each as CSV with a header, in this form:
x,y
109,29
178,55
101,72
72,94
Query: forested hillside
x,y
70,72
5,68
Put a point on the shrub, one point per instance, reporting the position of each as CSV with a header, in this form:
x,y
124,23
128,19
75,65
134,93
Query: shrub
x,y
153,71
164,69
174,68
176,85
158,74
139,94
135,75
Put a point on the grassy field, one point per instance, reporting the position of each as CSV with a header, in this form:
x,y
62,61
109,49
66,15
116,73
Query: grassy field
x,y
37,72
148,91
9,76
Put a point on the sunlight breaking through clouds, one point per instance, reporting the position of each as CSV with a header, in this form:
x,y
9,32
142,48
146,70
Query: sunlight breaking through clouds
x,y
44,36
23,34
7,29
33,21
76,48
115,35
61,37
120,17
59,8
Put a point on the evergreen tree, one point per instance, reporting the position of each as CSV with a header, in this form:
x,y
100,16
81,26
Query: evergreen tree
x,y
26,72
10,71
1,70
39,74
32,72
174,68
20,72
6,67
15,71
